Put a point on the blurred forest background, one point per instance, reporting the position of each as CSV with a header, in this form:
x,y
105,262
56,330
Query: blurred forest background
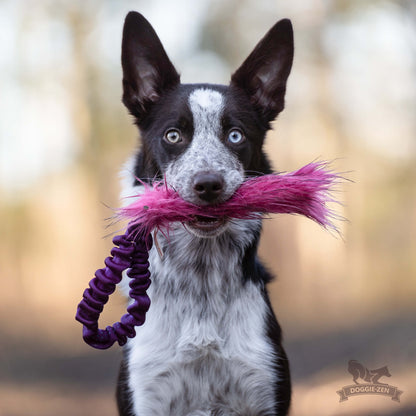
x,y
64,135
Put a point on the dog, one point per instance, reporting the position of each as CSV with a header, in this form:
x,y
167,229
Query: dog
x,y
357,370
211,345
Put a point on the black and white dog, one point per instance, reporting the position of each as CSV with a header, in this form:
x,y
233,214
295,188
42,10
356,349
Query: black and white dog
x,y
211,345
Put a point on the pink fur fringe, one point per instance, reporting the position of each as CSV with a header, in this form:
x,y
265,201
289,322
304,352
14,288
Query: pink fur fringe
x,y
306,191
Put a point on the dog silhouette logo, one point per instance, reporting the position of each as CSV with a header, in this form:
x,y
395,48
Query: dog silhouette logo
x,y
357,370
370,382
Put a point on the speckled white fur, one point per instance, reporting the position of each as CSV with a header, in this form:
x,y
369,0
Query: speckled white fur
x,y
204,336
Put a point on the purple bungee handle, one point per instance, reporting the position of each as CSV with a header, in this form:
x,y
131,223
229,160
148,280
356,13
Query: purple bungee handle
x,y
132,254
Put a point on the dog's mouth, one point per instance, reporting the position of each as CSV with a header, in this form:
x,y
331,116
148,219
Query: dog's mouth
x,y
207,226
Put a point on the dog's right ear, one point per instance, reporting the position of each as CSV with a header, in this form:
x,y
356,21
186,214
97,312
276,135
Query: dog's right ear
x,y
147,70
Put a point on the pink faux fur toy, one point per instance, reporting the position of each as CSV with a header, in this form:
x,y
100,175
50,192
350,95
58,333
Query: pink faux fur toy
x,y
305,191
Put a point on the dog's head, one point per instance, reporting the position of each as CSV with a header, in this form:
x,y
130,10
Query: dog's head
x,y
203,139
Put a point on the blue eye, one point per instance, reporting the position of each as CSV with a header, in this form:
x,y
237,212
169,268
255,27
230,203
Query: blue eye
x,y
173,136
235,136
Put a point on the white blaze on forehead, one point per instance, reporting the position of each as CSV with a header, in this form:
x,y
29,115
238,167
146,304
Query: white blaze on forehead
x,y
210,100
206,106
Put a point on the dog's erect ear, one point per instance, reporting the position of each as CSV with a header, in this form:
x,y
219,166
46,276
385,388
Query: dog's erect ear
x,y
264,73
147,70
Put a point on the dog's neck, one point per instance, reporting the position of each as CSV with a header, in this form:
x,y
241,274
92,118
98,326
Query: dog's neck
x,y
205,264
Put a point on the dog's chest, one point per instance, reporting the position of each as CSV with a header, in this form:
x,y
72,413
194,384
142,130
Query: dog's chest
x,y
203,346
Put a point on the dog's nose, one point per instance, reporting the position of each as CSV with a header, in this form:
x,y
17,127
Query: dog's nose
x,y
208,186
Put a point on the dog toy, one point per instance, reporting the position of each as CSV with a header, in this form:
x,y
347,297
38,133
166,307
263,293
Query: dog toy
x,y
305,191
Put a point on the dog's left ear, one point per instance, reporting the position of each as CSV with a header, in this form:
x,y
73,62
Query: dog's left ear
x,y
264,73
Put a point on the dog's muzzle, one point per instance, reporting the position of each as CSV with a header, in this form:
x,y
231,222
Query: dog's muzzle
x,y
209,189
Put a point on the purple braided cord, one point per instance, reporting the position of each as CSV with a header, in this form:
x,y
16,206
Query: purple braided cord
x,y
132,254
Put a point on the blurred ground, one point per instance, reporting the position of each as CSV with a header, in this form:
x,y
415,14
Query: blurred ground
x,y
45,380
